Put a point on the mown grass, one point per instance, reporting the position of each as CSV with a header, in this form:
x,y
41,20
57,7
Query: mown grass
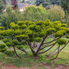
x,y
30,60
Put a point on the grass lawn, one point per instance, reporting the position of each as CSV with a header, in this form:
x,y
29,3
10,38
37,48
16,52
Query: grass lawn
x,y
29,60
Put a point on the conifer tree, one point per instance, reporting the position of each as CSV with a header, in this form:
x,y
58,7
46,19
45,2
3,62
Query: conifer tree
x,y
27,34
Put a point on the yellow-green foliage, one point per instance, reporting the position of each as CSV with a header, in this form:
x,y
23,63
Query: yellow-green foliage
x,y
1,37
60,33
67,30
23,43
67,36
35,13
19,46
56,13
37,8
15,42
64,25
1,28
2,48
31,31
28,32
61,41
9,44
9,53
5,40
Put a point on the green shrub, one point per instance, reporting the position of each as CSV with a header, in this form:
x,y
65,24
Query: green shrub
x,y
5,40
67,30
19,46
22,36
17,32
9,53
23,43
38,39
61,41
15,42
67,36
1,37
9,44
2,48
64,25
60,33
20,23
35,13
1,28
10,16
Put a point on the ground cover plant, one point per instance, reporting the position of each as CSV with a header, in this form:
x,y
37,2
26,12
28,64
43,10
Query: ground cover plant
x,y
33,35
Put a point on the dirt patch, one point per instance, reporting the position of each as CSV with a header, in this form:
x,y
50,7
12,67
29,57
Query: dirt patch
x,y
13,67
47,65
61,66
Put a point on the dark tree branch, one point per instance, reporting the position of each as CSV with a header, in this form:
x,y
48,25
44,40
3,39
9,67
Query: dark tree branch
x,y
41,44
14,48
57,53
16,52
23,50
52,40
48,49
29,43
47,46
59,50
53,51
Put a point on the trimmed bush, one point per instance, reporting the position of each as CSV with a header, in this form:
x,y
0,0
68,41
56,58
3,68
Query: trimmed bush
x,y
61,41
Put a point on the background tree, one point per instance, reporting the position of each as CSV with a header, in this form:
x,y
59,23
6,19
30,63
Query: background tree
x,y
55,2
10,16
47,2
27,34
1,6
1,9
23,1
4,1
65,4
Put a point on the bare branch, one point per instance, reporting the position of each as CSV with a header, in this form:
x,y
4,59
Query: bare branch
x,y
57,53
29,43
52,40
53,51
16,52
47,49
41,44
59,50
47,46
24,50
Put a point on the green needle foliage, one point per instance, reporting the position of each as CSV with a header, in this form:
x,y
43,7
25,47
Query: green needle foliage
x,y
33,35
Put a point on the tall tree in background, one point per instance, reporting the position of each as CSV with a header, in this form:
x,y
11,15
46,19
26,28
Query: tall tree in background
x,y
1,6
65,4
4,1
